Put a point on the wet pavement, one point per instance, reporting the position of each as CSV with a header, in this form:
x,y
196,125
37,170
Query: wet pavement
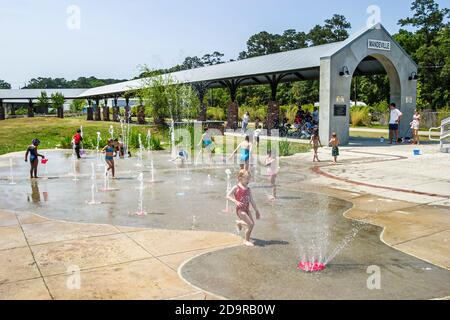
x,y
300,224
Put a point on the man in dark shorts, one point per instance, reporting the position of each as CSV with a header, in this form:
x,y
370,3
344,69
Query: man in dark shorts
x,y
394,122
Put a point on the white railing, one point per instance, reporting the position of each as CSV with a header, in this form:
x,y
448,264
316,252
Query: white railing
x,y
445,135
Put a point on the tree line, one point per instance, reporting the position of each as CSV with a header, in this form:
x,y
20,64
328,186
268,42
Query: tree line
x,y
425,35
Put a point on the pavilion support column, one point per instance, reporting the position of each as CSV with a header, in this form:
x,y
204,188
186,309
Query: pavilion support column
x,y
141,114
115,111
201,89
97,113
2,110
12,110
30,109
233,107
90,111
106,111
61,112
127,109
273,111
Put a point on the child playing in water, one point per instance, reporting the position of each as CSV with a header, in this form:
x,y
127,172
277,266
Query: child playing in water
x,y
334,142
118,146
110,153
32,150
207,142
272,171
315,142
242,197
246,150
182,155
257,134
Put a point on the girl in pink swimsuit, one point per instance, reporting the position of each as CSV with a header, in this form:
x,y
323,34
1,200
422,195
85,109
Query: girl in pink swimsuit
x,y
242,197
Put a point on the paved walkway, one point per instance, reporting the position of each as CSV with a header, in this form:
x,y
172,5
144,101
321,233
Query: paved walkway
x,y
41,259
407,195
434,133
390,187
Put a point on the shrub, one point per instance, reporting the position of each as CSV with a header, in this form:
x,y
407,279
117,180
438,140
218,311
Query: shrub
x,y
291,113
284,148
308,108
360,117
443,114
215,113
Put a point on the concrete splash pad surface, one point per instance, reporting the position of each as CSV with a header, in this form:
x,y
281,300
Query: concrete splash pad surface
x,y
183,199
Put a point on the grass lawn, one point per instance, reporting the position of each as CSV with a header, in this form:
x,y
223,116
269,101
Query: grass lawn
x,y
16,134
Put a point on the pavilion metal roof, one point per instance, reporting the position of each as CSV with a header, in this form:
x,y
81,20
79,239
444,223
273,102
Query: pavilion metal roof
x,y
301,64
26,94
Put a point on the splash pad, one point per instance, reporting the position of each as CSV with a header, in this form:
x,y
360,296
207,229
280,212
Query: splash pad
x,y
311,266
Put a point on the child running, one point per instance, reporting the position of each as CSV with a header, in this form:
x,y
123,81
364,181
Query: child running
x,y
315,142
242,197
334,142
32,150
246,150
272,171
207,142
110,153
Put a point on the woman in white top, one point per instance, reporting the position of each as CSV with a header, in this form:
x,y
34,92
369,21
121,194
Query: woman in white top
x,y
415,127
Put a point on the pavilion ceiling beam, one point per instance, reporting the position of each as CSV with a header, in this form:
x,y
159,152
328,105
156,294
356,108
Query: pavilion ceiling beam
x,y
299,75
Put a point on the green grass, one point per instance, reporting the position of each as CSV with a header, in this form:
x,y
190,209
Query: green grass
x,y
16,134
285,148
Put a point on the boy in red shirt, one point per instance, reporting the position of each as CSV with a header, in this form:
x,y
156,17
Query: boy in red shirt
x,y
77,138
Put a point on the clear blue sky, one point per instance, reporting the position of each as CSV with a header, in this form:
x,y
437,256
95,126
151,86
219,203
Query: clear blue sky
x,y
117,36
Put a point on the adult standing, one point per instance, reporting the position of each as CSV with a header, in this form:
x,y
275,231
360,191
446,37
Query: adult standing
x,y
415,127
77,138
394,122
316,115
245,122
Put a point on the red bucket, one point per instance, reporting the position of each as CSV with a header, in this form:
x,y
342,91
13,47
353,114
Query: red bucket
x,y
44,161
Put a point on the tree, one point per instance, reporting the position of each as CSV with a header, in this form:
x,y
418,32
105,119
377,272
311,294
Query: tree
x,y
77,105
292,40
212,59
428,46
334,30
61,83
58,103
4,85
260,44
43,101
427,18
192,63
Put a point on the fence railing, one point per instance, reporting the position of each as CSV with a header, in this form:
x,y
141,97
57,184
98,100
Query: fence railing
x,y
444,136
429,119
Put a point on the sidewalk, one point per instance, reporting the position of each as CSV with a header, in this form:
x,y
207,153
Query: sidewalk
x,y
374,130
42,259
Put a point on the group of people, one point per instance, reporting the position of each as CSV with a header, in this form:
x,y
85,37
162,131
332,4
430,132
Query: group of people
x,y
306,123
113,148
394,123
240,194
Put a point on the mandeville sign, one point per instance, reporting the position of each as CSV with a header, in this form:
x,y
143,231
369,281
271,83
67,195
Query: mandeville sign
x,y
379,45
